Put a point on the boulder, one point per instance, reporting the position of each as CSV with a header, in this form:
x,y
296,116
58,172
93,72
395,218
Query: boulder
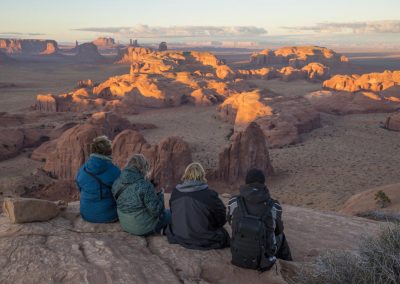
x,y
25,210
11,143
168,159
247,150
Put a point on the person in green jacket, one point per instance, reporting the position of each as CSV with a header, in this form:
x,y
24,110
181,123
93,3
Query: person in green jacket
x,y
140,208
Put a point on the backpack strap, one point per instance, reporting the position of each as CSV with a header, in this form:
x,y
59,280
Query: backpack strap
x,y
121,190
99,181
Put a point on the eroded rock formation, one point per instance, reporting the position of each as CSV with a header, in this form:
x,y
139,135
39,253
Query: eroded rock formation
x,y
298,56
162,46
168,159
247,150
393,122
374,82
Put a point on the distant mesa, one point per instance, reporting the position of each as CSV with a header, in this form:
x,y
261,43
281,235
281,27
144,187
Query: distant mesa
x,y
104,42
162,46
298,56
20,47
88,53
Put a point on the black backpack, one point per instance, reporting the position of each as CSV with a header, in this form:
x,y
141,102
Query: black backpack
x,y
253,243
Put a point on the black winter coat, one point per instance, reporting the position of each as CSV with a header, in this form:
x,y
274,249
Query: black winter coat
x,y
198,217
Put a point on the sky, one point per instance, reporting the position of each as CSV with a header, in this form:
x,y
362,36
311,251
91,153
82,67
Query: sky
x,y
201,20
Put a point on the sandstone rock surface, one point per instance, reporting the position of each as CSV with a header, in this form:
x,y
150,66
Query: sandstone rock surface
x,y
364,202
70,250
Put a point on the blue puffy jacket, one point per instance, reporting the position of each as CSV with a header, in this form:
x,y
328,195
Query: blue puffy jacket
x,y
97,202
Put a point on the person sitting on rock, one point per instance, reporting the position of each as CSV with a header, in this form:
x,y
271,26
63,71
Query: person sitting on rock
x,y
140,208
94,180
198,215
257,227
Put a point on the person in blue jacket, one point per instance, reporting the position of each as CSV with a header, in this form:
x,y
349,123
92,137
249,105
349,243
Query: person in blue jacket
x,y
94,180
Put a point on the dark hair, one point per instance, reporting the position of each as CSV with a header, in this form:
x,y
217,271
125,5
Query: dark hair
x,y
255,176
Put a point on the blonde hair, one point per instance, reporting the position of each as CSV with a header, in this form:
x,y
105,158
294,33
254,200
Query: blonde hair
x,y
101,145
194,171
139,162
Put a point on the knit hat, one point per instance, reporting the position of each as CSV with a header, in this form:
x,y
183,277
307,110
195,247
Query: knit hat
x,y
101,145
255,176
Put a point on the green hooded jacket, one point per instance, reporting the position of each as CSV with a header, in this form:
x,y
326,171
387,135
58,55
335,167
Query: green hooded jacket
x,y
138,206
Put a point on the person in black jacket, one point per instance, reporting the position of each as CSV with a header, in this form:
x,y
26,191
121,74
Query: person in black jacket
x,y
198,215
256,197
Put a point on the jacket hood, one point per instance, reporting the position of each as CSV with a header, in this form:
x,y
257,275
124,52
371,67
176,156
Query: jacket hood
x,y
130,175
191,186
255,193
98,164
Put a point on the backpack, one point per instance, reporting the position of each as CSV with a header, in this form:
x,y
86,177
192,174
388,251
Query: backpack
x,y
253,243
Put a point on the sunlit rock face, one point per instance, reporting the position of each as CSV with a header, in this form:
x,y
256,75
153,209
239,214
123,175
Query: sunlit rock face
x,y
367,93
298,56
374,82
282,120
28,46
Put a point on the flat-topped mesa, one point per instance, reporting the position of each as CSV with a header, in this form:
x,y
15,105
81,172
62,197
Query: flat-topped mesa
x,y
104,42
282,120
298,56
28,46
88,53
375,82
247,150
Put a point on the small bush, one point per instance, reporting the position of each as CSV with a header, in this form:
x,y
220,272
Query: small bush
x,y
377,261
382,199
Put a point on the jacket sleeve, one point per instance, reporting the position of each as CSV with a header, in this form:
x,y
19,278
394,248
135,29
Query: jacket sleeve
x,y
218,210
232,205
153,201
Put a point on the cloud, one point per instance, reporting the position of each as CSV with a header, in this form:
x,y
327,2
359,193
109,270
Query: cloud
x,y
145,31
371,27
18,34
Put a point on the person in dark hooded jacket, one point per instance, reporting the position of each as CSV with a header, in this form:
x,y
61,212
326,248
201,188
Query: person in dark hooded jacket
x,y
256,195
198,215
94,180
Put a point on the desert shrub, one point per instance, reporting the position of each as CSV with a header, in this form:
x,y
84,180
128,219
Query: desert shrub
x,y
382,199
376,261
